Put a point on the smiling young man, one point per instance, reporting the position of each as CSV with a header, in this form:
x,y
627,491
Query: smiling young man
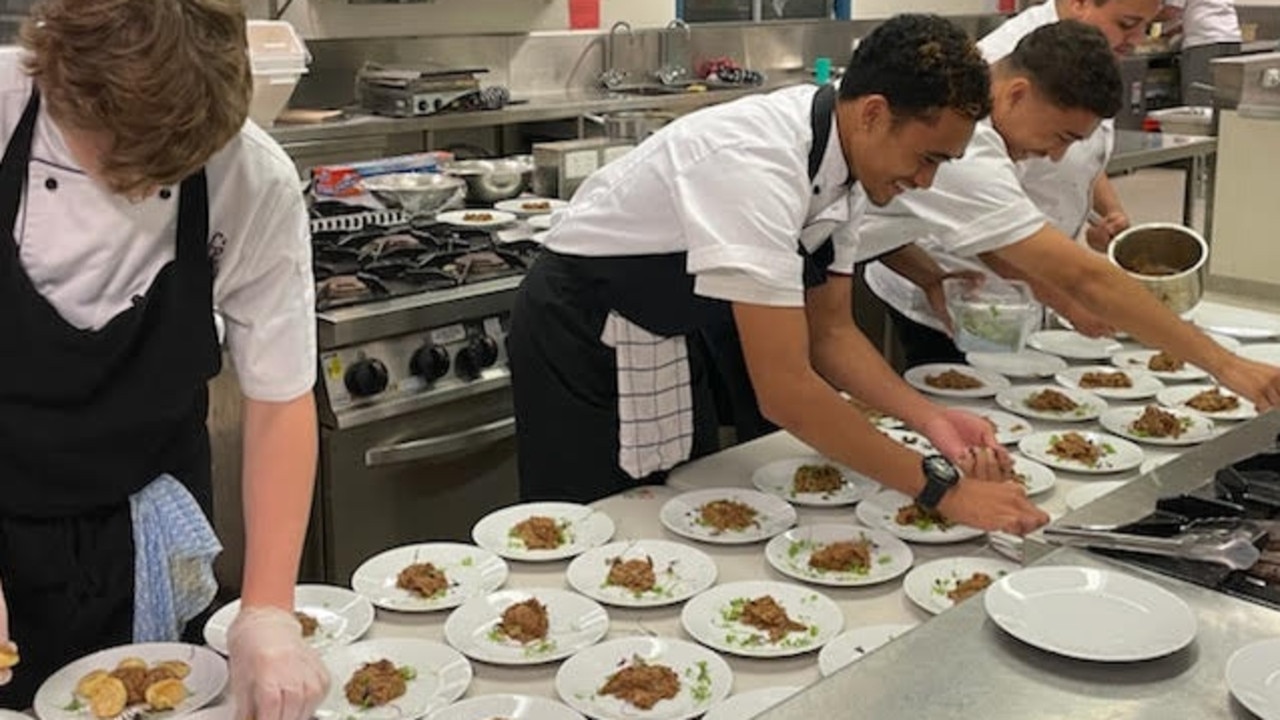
x,y
727,215
1054,89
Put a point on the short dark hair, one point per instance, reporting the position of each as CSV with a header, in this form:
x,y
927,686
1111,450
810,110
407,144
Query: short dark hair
x,y
1072,64
921,64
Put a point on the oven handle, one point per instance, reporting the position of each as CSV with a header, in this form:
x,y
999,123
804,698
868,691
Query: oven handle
x,y
414,450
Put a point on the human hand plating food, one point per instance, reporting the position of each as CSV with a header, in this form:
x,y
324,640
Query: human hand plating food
x,y
275,675
955,431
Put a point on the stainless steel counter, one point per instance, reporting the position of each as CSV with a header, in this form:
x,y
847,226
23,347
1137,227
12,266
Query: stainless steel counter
x,y
1135,150
963,662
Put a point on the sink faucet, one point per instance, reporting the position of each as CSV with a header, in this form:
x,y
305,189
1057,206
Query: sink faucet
x,y
671,71
612,77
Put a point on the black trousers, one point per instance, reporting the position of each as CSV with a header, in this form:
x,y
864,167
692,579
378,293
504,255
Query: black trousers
x,y
922,344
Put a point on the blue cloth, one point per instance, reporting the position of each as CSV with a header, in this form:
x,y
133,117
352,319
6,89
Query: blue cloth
x,y
174,548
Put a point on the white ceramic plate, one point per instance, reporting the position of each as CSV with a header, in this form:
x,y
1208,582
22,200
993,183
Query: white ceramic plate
x,y
1242,323
1037,478
540,222
879,419
789,554
927,585
1009,428
1086,494
1025,364
1090,614
744,706
991,382
496,219
881,511
1118,454
1268,353
710,619
681,515
1225,341
528,206
852,645
1253,676
1015,401
343,616
1195,428
471,571
584,528
440,676
1145,385
1138,359
911,440
680,572
1071,344
207,679
574,622
778,478
511,707
1177,397
705,678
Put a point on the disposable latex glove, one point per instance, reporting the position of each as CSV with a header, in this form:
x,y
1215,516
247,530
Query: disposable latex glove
x,y
275,675
8,650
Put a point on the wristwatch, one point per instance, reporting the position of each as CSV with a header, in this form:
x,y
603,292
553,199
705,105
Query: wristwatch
x,y
939,477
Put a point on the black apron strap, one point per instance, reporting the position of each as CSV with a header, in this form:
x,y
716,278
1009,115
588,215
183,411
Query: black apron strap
x,y
817,261
13,169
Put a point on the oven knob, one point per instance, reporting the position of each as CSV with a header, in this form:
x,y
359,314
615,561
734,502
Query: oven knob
x,y
429,362
480,353
366,377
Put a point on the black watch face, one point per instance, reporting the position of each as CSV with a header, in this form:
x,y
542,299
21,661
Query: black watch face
x,y
940,468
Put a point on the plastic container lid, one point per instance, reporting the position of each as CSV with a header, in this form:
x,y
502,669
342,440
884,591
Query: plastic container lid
x,y
276,49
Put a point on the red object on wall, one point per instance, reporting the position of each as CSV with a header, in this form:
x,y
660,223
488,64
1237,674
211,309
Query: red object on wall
x,y
1008,7
584,14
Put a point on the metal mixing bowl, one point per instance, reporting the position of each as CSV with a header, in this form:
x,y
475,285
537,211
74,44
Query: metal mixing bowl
x,y
490,181
1168,259
416,193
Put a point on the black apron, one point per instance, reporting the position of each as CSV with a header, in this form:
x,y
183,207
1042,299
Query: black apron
x,y
87,418
564,378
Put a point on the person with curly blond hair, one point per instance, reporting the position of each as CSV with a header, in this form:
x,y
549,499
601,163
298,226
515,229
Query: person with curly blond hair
x,y
139,210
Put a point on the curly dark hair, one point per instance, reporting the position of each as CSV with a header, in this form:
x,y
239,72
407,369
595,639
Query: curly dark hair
x,y
921,64
1072,64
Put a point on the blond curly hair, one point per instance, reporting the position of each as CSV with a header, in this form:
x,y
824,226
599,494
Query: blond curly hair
x,y
166,82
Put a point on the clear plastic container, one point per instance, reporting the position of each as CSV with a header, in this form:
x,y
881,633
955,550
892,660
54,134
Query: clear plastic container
x,y
994,315
279,58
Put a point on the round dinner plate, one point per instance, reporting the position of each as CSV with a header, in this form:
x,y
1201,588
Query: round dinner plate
x,y
342,615
680,572
1088,405
682,515
208,677
436,676
1253,676
851,646
530,206
790,552
1243,323
778,478
751,703
510,707
705,678
1145,384
492,218
911,440
1195,428
991,383
928,585
1118,454
1024,364
540,222
1090,614
1086,494
1036,478
1009,428
713,618
880,511
1139,359
1073,345
581,527
1176,397
1268,353
574,622
470,571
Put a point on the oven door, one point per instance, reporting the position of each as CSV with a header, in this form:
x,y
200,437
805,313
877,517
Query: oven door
x,y
425,476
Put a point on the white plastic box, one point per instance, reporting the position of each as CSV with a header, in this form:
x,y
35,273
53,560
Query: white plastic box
x,y
1185,120
279,59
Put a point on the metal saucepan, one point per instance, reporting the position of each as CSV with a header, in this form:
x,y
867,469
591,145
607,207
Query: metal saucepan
x,y
490,181
631,124
1169,260
416,193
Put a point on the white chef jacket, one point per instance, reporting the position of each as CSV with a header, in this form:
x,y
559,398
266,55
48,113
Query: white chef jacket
x,y
1208,22
729,186
89,252
977,204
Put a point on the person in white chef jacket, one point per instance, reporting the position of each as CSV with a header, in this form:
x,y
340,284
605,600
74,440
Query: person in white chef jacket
x,y
727,215
1047,95
135,201
1208,29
